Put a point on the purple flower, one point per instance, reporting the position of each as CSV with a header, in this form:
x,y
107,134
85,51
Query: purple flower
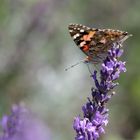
x,y
95,113
21,124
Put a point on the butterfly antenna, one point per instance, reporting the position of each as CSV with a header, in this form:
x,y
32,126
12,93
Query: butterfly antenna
x,y
82,61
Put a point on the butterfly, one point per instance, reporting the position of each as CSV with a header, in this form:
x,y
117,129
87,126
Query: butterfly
x,y
95,42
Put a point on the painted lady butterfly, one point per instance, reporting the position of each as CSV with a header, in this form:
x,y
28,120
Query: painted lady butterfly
x,y
94,42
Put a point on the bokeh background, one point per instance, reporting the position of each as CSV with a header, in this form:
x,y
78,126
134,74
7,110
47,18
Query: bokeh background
x,y
35,48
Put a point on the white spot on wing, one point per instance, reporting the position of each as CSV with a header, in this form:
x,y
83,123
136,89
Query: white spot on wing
x,y
82,30
70,31
75,36
82,44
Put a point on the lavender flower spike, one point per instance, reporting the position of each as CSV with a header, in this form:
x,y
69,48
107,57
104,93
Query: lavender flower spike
x,y
95,113
21,124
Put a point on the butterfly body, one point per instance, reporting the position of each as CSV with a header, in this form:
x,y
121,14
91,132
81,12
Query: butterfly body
x,y
94,42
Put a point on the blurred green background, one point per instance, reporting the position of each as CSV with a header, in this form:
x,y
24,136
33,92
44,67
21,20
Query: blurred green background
x,y
35,48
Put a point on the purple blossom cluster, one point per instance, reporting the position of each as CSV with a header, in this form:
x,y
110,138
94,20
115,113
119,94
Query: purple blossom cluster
x,y
21,124
95,113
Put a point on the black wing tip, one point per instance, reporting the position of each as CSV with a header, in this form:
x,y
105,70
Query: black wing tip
x,y
75,24
71,25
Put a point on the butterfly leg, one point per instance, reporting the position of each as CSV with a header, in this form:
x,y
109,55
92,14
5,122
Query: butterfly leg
x,y
89,69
